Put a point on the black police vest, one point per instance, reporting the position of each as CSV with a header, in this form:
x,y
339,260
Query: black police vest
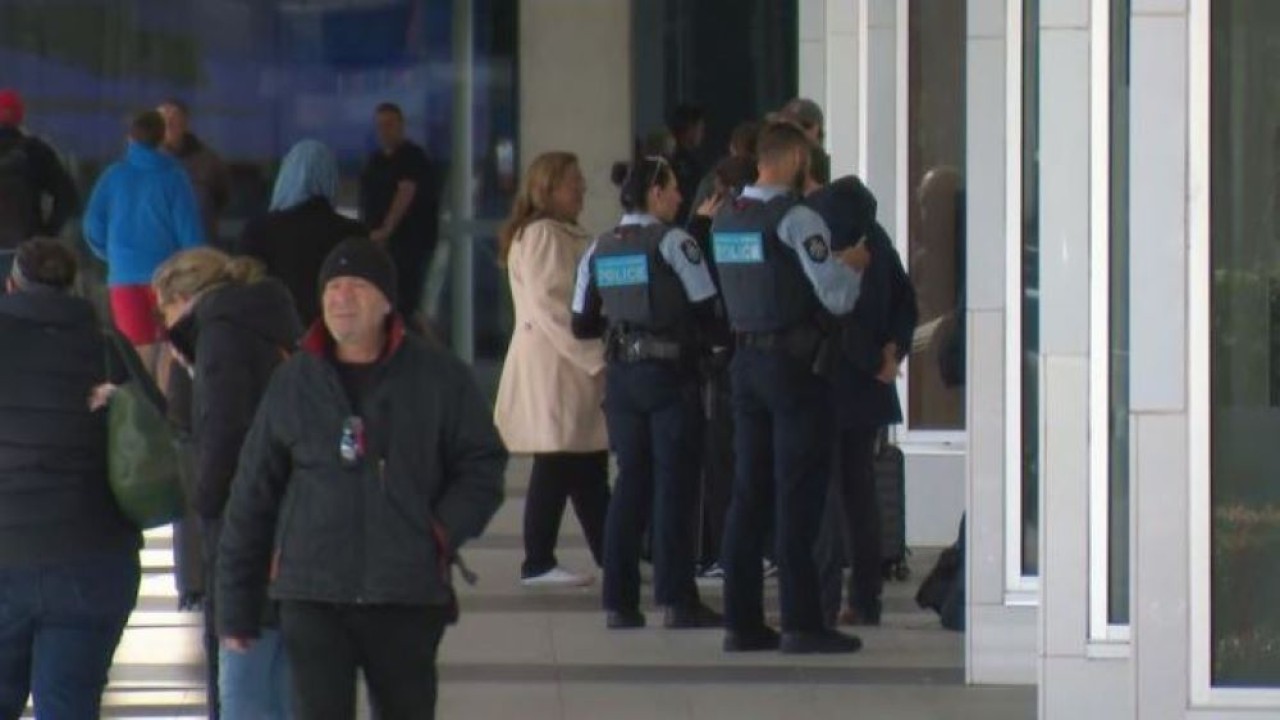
x,y
764,287
639,290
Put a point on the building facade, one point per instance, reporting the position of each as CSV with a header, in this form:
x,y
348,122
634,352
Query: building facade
x,y
1117,161
1086,193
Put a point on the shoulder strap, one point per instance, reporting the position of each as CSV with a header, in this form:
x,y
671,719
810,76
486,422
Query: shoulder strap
x,y
134,371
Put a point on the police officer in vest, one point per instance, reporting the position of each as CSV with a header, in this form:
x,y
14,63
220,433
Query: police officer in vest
x,y
781,284
645,288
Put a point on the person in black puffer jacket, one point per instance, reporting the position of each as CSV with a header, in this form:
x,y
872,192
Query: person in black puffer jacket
x,y
373,459
231,329
69,568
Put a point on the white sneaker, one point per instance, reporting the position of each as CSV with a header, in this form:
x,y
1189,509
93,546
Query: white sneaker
x,y
557,577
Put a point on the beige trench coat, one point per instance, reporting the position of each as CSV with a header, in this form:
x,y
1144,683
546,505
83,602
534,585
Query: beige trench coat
x,y
552,387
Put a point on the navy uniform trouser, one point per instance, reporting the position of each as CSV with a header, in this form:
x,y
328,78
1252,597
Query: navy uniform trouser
x,y
780,409
655,422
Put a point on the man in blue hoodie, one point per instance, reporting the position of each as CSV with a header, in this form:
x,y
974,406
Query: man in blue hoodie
x,y
142,210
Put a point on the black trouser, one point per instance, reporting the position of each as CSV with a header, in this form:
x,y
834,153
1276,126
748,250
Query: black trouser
x,y
556,479
413,262
851,528
717,468
778,405
655,427
394,646
210,531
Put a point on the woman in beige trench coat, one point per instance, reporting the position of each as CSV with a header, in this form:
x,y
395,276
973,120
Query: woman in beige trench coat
x,y
549,399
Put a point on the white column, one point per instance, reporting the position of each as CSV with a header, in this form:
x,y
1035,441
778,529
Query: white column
x,y
1000,638
1159,213
575,91
1074,129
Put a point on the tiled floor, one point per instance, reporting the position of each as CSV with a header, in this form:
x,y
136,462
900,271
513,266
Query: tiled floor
x,y
546,655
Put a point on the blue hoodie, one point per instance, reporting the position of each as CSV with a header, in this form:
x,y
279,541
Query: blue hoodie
x,y
142,211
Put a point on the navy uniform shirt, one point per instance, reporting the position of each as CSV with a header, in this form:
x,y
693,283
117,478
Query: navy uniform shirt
x,y
804,232
678,249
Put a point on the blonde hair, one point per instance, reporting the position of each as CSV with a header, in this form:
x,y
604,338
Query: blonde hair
x,y
547,172
198,270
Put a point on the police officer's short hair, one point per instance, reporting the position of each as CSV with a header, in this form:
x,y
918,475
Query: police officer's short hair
x,y
779,139
45,263
147,128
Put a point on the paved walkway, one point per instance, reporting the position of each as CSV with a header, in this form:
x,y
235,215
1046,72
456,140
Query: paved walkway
x,y
546,656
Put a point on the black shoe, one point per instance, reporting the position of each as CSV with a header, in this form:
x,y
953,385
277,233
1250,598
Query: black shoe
x,y
625,619
761,639
827,642
692,617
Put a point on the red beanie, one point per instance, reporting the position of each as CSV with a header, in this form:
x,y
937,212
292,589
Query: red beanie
x,y
11,110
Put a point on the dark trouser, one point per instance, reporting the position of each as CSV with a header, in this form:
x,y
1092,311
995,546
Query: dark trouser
x,y
778,404
412,265
59,627
655,427
394,646
717,468
851,528
212,643
556,479
188,546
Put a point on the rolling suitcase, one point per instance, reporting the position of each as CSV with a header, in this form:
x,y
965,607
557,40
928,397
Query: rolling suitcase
x,y
891,491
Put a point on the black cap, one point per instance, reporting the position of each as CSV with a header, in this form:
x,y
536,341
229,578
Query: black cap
x,y
361,258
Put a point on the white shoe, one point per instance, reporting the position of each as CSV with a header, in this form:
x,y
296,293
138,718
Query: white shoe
x,y
557,577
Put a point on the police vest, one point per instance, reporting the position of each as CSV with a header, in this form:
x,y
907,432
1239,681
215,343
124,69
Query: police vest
x,y
639,290
764,287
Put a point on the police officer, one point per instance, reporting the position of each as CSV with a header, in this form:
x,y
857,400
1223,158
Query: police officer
x,y
781,285
646,288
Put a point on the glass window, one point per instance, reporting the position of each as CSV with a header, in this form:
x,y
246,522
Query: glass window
x,y
259,76
1245,342
1118,390
936,227
1030,295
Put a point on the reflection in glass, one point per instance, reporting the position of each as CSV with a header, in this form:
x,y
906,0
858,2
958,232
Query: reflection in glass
x,y
1118,419
1030,295
936,159
260,76
1245,342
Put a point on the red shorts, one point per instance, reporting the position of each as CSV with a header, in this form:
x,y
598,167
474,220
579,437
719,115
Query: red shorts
x,y
133,308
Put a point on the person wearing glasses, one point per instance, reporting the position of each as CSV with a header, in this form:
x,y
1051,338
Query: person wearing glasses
x,y
645,288
782,284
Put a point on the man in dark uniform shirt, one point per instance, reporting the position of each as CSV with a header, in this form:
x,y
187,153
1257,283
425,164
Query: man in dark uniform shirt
x,y
400,203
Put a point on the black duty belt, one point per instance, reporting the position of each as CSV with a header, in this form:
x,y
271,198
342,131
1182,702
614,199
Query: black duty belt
x,y
760,340
638,348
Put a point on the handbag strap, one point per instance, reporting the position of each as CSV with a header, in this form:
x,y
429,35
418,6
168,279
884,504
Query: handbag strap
x,y
133,369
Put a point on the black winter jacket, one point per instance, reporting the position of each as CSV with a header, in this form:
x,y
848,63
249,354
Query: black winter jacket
x,y
378,529
886,309
55,502
234,338
294,243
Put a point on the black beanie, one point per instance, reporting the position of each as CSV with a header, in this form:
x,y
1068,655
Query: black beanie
x,y
361,258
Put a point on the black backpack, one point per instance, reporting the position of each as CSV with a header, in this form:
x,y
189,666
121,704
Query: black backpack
x,y
17,194
943,589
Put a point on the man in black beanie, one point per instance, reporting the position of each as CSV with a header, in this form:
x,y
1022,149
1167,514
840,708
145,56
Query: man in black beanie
x,y
358,504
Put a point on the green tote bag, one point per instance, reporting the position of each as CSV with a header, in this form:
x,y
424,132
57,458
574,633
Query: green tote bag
x,y
142,447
